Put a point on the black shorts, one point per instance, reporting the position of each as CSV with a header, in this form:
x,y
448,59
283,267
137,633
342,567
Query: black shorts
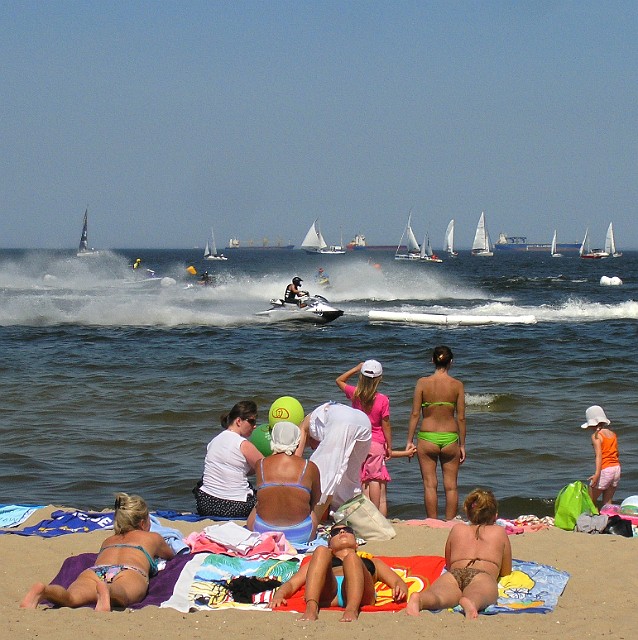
x,y
208,505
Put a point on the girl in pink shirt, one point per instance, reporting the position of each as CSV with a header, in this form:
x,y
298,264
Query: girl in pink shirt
x,y
374,473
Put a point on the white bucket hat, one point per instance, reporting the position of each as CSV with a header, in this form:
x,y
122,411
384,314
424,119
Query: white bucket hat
x,y
595,416
371,369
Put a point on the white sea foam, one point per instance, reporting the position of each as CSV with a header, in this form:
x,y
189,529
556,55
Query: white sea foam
x,y
105,291
569,311
478,400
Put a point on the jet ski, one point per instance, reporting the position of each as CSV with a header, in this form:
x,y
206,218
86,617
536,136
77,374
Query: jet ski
x,y
315,309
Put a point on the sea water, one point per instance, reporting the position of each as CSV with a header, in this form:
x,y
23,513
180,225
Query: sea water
x,y
111,380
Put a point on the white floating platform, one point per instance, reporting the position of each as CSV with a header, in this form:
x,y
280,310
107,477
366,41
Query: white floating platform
x,y
439,318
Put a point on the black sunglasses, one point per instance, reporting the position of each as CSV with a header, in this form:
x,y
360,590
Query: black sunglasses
x,y
251,421
338,529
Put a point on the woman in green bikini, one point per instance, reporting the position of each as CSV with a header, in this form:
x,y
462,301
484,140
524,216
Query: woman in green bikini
x,y
439,401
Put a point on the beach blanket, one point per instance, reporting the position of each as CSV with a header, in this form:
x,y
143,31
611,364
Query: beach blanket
x,y
251,545
615,510
418,572
202,584
530,588
63,522
199,582
433,523
12,515
522,524
160,587
173,537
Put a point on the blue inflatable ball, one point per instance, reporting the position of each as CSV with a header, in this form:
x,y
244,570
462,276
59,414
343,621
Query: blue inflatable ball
x,y
286,409
260,437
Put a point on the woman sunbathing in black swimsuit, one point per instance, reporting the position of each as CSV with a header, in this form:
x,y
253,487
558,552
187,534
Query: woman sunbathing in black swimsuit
x,y
337,576
476,556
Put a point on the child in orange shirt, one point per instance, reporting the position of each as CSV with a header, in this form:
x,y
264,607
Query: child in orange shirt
x,y
607,475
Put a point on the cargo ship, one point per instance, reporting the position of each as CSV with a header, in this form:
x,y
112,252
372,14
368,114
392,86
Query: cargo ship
x,y
519,244
234,243
358,243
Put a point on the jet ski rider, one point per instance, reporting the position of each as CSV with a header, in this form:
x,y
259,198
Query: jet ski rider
x,y
294,293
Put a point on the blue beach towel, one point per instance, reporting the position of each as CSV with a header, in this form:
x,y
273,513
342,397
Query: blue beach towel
x,y
174,537
530,588
12,515
63,522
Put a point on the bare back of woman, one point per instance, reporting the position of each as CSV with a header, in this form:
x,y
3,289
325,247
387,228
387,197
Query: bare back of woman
x,y
438,409
122,569
288,489
476,555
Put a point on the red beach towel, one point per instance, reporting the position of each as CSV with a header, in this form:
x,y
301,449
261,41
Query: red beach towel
x,y
419,572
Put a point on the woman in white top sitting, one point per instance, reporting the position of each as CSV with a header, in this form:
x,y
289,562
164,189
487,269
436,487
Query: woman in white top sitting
x,y
224,490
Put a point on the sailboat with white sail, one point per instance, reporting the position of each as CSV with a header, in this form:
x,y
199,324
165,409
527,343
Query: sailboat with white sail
x,y
587,252
83,249
210,252
482,245
553,251
314,242
413,251
448,243
610,243
426,254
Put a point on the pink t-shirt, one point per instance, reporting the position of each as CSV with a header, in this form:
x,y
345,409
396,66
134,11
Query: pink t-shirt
x,y
380,410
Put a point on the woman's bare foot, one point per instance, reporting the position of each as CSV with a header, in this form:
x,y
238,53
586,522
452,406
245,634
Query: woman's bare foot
x,y
470,611
414,605
103,602
350,615
312,611
33,597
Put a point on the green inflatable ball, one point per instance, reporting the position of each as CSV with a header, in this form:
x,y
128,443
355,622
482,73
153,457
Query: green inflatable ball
x,y
286,409
260,437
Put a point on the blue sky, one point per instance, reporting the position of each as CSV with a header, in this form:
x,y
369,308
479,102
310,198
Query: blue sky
x,y
257,117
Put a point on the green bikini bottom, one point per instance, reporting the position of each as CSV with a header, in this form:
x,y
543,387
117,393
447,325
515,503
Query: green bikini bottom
x,y
439,438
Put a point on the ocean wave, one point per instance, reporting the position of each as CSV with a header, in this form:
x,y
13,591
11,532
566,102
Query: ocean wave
x,y
479,401
585,310
573,310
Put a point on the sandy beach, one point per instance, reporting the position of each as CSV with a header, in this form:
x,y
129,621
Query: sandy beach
x,y
597,602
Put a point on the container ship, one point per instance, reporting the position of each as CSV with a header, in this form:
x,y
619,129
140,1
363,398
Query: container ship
x,y
358,243
519,243
234,243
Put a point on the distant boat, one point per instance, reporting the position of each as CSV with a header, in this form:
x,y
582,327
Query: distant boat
x,y
235,243
519,244
83,249
610,243
426,254
448,243
481,245
359,243
210,252
553,251
314,242
413,251
587,252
